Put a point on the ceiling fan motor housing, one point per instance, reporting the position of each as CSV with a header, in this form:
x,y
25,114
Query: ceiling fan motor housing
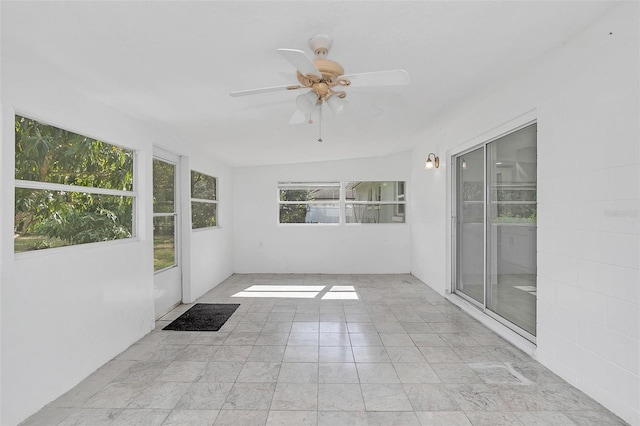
x,y
331,71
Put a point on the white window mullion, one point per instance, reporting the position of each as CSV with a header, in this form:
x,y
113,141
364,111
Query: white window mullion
x,y
27,184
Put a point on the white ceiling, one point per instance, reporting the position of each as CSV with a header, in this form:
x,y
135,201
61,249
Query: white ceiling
x,y
171,65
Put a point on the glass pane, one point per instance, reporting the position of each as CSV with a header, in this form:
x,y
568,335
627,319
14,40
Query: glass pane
x,y
401,190
46,153
45,219
164,238
163,186
470,224
375,213
374,191
309,191
203,186
511,255
309,213
203,215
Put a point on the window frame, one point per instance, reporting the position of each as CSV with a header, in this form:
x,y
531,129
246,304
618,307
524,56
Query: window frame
x,y
38,185
402,199
342,202
310,184
204,201
375,200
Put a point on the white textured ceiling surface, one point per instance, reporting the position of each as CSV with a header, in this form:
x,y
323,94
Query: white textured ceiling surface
x,y
171,65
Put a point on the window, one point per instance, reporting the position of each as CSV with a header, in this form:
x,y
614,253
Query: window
x,y
375,202
204,201
69,189
321,202
309,202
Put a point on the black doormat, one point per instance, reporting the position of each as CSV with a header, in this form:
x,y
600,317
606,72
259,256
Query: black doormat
x,y
203,317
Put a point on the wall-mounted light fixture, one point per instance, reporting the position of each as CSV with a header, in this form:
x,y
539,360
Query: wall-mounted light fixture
x,y
432,163
464,165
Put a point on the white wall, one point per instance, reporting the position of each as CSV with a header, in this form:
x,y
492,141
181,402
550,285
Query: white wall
x,y
262,245
585,97
211,249
65,312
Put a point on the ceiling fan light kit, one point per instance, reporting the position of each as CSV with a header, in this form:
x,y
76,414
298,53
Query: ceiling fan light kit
x,y
325,79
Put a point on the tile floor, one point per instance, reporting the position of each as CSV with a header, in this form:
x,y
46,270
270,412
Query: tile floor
x,y
399,354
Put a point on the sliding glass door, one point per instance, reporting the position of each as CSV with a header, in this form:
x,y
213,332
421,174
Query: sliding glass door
x,y
470,220
511,226
495,228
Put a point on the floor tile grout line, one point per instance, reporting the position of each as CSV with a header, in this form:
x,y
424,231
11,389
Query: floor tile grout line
x,y
378,308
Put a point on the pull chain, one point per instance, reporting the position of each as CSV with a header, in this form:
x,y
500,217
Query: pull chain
x,y
320,124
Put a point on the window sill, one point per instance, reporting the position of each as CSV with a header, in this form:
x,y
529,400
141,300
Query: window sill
x,y
73,248
341,224
293,225
208,228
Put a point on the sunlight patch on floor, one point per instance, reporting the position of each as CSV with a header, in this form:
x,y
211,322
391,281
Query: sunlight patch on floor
x,y
281,291
337,292
316,288
341,295
341,292
279,294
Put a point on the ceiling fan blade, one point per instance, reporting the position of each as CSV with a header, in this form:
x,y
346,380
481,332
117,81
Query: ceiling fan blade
x,y
379,78
356,104
263,90
300,61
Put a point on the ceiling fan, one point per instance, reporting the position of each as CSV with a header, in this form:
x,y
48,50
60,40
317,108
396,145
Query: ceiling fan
x,y
326,80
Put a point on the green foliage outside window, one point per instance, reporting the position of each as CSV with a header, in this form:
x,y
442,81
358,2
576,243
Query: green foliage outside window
x,y
51,217
203,215
293,213
203,186
204,207
524,210
163,186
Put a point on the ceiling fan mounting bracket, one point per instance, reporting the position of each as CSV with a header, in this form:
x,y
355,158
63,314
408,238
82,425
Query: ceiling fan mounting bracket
x,y
320,45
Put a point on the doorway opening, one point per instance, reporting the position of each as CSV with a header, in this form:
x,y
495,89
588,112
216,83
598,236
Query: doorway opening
x,y
167,262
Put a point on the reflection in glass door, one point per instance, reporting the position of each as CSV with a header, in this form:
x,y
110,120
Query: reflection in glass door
x,y
511,227
495,245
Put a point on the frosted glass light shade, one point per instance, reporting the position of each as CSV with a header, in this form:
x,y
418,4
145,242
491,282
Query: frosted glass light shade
x,y
336,104
307,102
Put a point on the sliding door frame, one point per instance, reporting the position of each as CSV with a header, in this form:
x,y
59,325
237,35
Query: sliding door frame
x,y
452,155
454,227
